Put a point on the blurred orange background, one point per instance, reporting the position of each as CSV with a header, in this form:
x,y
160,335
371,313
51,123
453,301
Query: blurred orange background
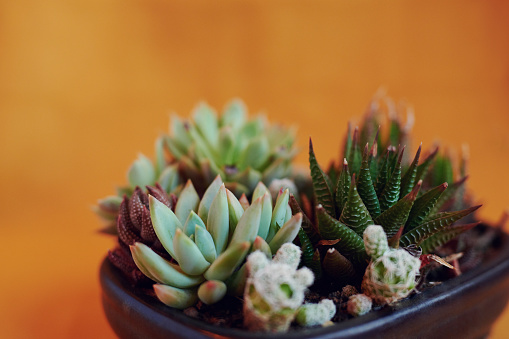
x,y
86,85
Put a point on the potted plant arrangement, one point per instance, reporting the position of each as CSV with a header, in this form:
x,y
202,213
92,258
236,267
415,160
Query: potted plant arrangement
x,y
219,236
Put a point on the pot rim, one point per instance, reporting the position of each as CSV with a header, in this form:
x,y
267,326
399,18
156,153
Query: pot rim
x,y
481,279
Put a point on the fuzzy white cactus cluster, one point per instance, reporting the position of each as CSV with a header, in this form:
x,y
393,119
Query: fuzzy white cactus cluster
x,y
391,274
275,292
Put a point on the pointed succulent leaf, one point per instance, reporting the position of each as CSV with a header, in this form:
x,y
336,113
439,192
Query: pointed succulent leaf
x,y
160,270
322,188
235,211
160,161
188,201
355,156
176,297
193,220
265,216
355,214
205,120
205,243
261,245
256,153
287,233
423,206
397,215
208,197
169,178
339,268
342,188
165,224
236,283
365,186
189,256
218,220
244,202
278,214
390,194
212,291
308,258
259,191
422,169
350,244
448,194
226,145
180,133
227,262
347,144
234,114
440,222
307,226
409,178
443,237
383,174
142,172
248,226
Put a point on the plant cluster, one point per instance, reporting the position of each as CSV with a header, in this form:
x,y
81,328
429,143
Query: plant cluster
x,y
241,150
372,221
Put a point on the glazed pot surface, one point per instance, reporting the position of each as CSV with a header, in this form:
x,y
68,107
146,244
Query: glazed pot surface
x,y
463,307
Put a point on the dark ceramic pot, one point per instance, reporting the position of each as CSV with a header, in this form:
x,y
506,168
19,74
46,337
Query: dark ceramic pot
x,y
463,307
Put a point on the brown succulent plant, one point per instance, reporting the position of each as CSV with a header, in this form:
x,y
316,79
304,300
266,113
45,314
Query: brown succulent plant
x,y
134,225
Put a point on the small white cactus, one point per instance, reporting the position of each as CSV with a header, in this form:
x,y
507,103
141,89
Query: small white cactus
x,y
359,304
391,274
275,291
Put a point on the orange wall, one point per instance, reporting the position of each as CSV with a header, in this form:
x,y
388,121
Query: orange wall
x,y
86,85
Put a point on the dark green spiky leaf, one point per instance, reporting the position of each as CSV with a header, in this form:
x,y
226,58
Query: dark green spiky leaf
x,y
442,237
442,171
339,268
333,172
394,240
373,159
351,244
355,214
408,179
348,142
383,174
390,194
396,216
321,186
440,222
342,188
365,186
422,169
307,226
355,156
448,195
423,206
393,158
395,132
308,254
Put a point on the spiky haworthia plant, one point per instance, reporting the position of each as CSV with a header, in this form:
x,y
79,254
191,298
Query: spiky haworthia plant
x,y
242,151
208,240
274,293
375,186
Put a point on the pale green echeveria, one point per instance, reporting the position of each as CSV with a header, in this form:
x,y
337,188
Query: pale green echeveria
x,y
209,238
242,150
275,291
391,274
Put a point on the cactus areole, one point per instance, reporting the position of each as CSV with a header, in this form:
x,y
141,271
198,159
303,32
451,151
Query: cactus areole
x,y
223,240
